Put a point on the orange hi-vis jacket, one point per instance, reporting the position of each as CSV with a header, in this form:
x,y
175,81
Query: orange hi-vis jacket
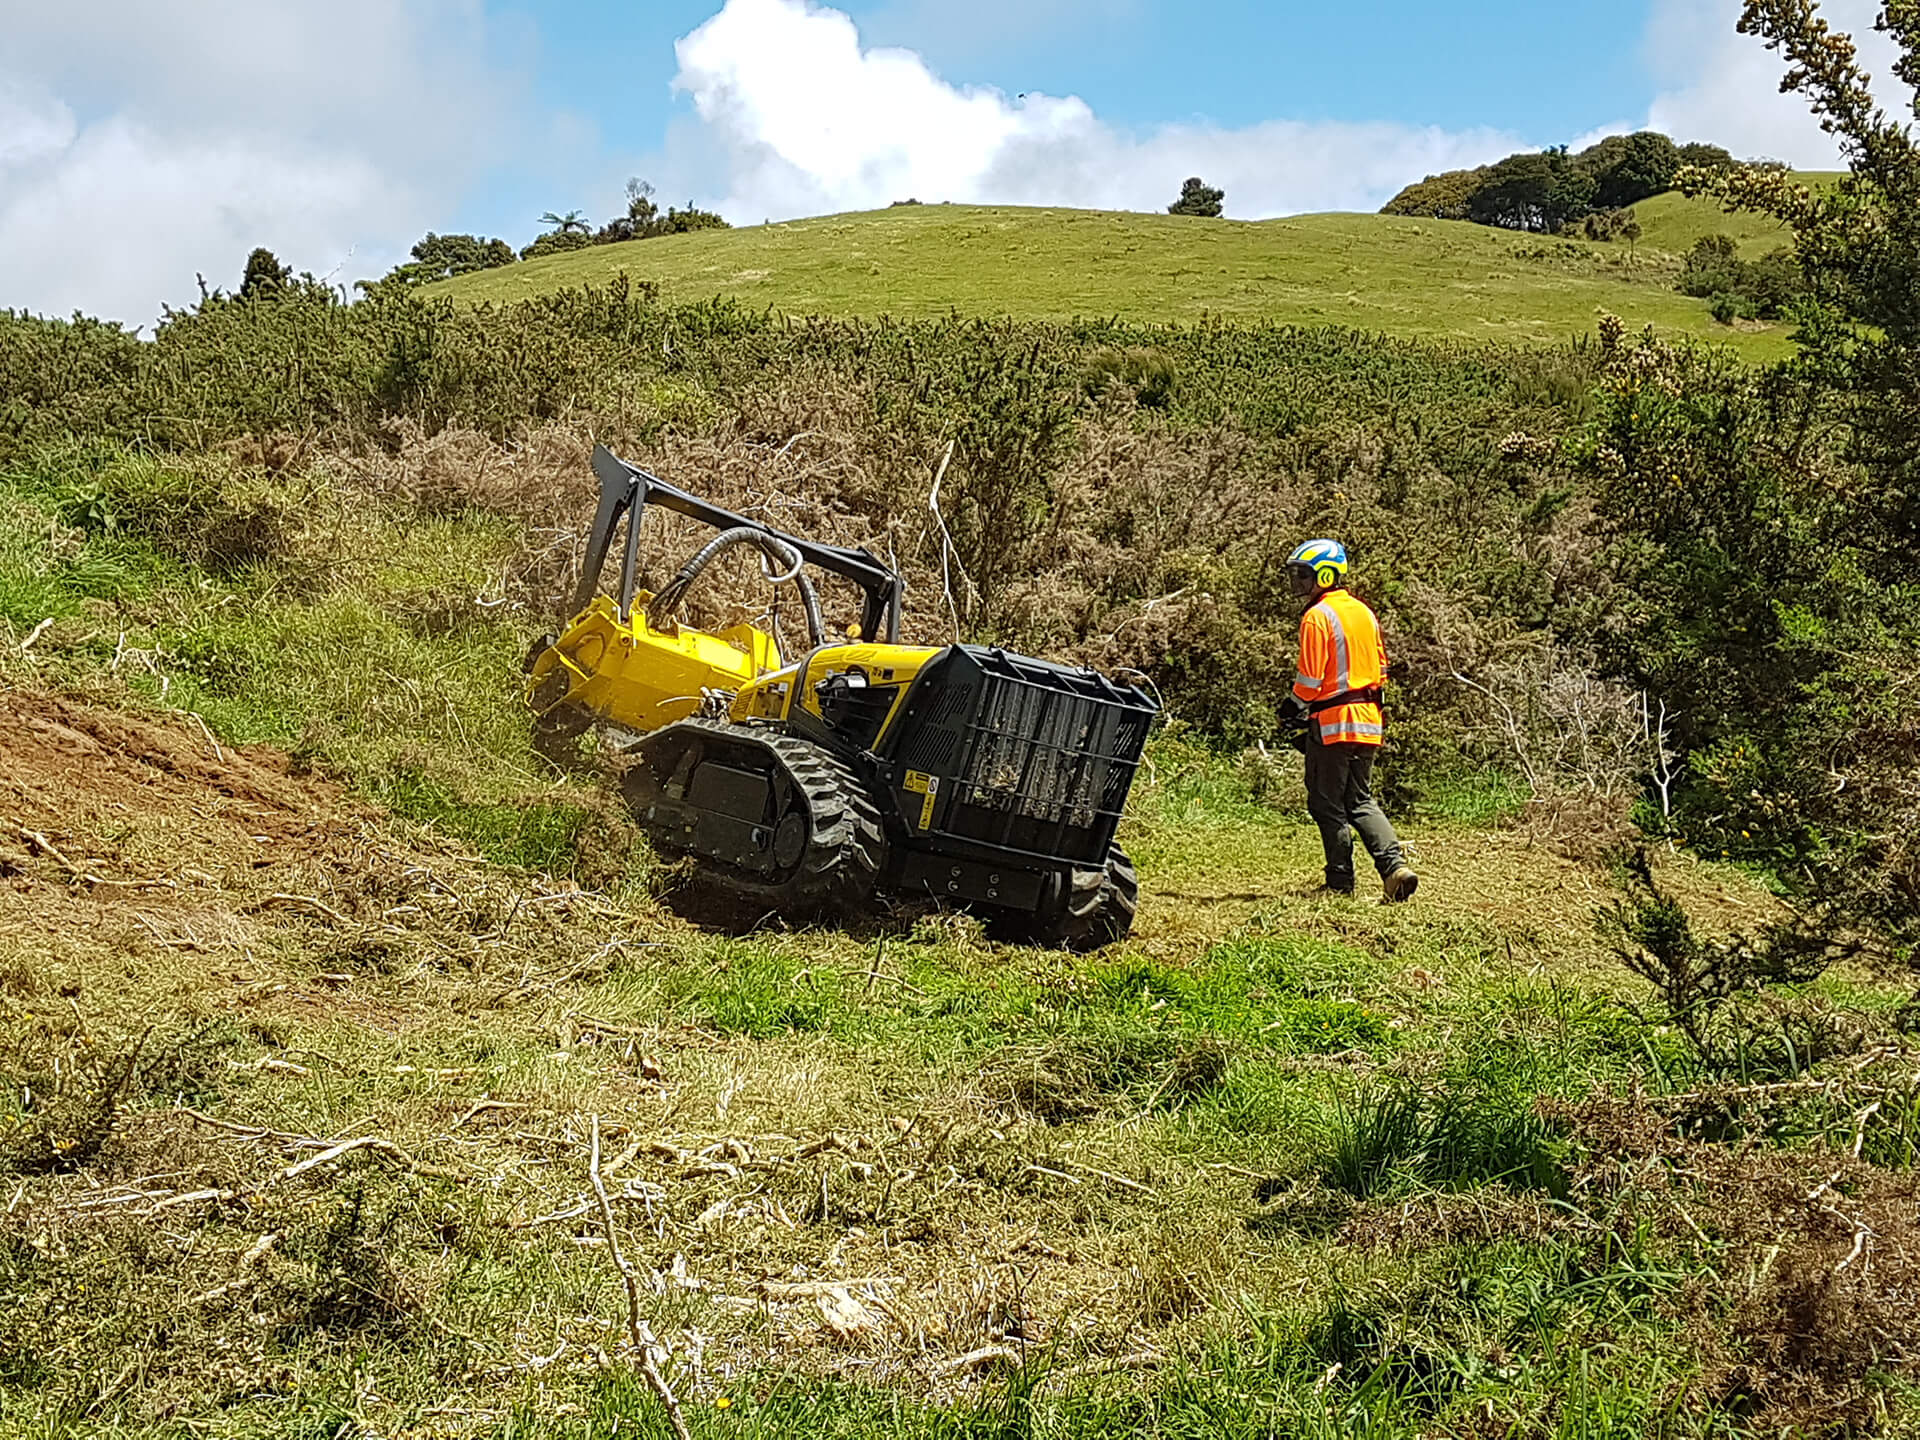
x,y
1341,653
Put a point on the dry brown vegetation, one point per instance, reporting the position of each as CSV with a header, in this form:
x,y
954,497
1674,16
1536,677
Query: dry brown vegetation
x,y
302,1079
1822,1251
318,982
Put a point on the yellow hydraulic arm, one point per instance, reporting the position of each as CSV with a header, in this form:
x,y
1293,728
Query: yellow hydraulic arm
x,y
624,659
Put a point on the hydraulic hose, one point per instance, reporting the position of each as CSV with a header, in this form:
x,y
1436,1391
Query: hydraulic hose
x,y
668,601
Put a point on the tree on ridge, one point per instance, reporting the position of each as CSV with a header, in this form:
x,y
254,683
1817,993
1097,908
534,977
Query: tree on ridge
x,y
1198,198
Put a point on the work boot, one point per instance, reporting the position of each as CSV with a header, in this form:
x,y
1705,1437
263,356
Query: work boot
x,y
1400,885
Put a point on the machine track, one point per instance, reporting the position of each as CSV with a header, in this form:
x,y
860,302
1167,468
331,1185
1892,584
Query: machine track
x,y
1091,908
839,865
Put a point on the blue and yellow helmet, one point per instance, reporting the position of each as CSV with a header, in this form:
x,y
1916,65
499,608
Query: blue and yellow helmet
x,y
1326,559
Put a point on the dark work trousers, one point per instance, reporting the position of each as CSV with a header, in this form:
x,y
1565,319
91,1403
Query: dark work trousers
x,y
1340,799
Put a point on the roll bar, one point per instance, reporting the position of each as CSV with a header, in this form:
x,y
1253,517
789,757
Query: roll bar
x,y
625,492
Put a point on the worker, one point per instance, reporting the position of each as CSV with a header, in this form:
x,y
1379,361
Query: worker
x,y
1337,696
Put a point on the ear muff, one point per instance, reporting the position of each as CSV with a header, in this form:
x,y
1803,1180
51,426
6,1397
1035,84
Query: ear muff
x,y
1326,577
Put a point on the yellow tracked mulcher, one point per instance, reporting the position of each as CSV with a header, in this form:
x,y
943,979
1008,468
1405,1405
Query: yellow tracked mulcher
x,y
863,768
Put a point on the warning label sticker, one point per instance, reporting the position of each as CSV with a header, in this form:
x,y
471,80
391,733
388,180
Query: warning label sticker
x,y
927,785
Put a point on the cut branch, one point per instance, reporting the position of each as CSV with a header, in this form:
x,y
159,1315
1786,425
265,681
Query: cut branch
x,y
949,560
637,1332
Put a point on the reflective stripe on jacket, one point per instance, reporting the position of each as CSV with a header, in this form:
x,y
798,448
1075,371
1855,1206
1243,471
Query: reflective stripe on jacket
x,y
1341,650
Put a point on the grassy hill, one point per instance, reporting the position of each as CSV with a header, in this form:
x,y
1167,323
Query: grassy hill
x,y
1670,223
1404,277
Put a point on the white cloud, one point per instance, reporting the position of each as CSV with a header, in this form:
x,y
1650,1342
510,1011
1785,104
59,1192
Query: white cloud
x,y
1598,133
803,119
33,126
142,141
1724,87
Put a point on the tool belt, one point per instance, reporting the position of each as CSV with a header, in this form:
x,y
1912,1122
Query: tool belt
x,y
1370,696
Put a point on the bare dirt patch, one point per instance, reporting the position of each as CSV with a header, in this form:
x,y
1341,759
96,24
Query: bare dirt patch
x,y
140,858
111,790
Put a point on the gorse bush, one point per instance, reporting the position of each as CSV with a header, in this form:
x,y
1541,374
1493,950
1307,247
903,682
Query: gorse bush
x,y
60,378
1763,289
1593,563
1067,505
1767,611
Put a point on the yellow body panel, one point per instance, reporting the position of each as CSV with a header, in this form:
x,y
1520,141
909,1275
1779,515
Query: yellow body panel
x,y
773,696
642,678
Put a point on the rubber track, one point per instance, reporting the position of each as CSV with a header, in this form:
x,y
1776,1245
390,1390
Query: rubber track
x,y
1101,904
846,842
1097,910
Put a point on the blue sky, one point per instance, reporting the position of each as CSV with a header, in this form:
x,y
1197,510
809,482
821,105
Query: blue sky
x,y
336,132
1548,72
1550,68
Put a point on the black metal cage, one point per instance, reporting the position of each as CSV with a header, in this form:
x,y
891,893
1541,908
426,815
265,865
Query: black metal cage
x,y
1018,755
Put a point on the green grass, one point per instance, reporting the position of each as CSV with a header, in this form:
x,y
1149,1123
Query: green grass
x,y
404,1303
1277,1165
353,637
1416,278
1671,223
